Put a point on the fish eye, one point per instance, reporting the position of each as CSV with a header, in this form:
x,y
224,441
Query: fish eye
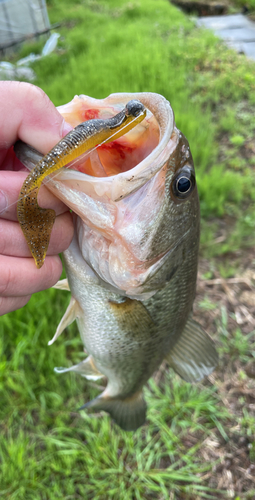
x,y
183,183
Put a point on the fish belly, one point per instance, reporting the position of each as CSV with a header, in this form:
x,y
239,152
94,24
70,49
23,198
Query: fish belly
x,y
116,331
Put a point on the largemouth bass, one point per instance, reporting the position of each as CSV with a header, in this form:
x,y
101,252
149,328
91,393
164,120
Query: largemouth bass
x,y
132,264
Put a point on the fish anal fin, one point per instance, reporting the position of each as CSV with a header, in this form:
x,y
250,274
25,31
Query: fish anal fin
x,y
86,368
62,285
128,413
194,355
70,315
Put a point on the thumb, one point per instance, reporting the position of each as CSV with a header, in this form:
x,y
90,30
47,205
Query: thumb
x,y
28,114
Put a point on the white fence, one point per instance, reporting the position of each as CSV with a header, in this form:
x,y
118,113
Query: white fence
x,y
22,19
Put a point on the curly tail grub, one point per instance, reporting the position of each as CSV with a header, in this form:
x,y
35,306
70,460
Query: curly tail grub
x,y
36,222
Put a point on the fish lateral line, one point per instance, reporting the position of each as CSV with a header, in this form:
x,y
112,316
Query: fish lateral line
x,y
36,222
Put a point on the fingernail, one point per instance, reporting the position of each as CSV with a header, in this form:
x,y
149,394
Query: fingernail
x,y
66,128
3,202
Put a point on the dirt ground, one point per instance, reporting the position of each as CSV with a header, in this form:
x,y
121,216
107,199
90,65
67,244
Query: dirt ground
x,y
203,7
231,301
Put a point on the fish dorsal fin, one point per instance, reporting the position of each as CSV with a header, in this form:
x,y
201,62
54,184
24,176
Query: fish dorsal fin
x,y
194,355
86,368
70,315
62,285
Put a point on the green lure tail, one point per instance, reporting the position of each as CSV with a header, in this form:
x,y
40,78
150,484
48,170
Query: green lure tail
x,y
36,222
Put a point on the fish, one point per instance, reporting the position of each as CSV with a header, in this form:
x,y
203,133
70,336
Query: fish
x,y
132,265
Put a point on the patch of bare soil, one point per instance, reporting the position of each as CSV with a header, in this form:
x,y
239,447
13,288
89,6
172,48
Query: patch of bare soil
x,y
203,7
236,294
235,376
216,7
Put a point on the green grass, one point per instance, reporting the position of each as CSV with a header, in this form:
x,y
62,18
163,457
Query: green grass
x,y
237,345
123,46
250,4
47,449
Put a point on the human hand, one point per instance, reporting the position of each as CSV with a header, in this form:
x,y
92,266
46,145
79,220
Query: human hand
x,y
26,113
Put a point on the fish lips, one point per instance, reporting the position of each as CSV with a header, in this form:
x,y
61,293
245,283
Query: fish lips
x,y
119,186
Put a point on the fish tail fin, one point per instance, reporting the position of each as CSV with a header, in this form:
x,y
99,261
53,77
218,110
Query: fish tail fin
x,y
128,413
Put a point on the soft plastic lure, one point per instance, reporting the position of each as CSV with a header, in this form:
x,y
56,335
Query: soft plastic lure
x,y
36,222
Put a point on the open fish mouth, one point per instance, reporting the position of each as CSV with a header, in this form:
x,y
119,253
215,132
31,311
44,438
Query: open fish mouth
x,y
117,156
118,168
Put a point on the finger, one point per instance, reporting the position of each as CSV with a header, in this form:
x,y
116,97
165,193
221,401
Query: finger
x,y
10,186
28,114
9,304
20,277
13,243
9,160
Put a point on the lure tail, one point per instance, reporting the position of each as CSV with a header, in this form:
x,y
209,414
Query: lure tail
x,y
128,413
36,224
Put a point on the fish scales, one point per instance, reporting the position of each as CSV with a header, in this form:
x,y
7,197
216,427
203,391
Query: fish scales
x,y
128,333
132,264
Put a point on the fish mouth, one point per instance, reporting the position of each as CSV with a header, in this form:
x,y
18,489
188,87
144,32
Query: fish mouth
x,y
120,167
116,169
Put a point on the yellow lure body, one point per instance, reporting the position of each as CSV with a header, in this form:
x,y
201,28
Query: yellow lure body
x,y
36,222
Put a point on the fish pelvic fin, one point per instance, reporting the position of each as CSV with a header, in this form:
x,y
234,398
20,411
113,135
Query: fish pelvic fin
x,y
62,285
128,413
194,355
86,368
70,315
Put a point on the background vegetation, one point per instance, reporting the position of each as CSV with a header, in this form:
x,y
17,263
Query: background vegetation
x,y
246,4
199,440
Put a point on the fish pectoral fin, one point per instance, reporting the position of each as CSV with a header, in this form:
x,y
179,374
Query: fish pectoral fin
x,y
128,413
70,315
62,285
194,355
86,368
